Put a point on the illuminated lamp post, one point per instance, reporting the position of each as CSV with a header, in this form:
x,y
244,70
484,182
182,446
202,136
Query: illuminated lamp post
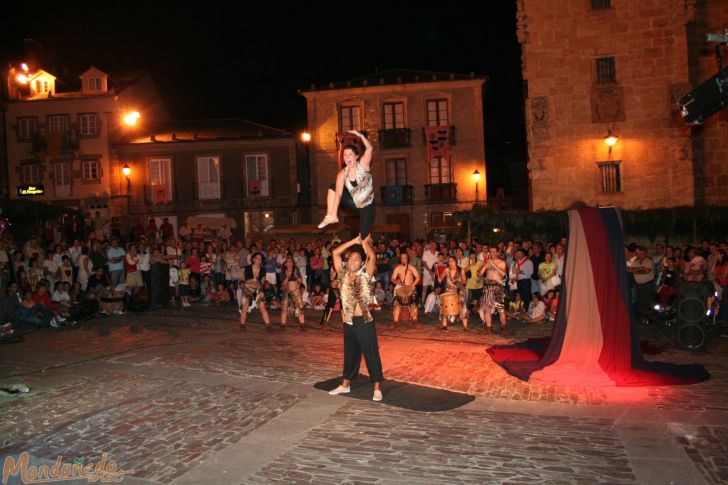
x,y
476,178
610,140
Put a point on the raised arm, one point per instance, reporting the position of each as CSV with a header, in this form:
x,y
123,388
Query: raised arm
x,y
371,257
340,249
366,158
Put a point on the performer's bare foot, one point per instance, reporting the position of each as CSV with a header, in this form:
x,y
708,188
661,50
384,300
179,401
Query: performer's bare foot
x,y
328,219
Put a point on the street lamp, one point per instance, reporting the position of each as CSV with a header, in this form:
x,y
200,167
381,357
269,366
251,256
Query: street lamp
x,y
476,178
126,170
610,140
131,118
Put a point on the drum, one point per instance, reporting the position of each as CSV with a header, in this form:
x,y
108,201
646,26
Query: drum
x,y
450,303
405,294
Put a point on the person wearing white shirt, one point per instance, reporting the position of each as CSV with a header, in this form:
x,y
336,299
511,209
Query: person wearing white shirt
x,y
429,258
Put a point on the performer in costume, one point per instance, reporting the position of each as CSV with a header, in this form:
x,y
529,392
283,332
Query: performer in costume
x,y
292,299
252,291
360,334
454,278
354,188
494,292
405,277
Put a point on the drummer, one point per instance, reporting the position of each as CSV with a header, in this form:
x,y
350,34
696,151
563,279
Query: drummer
x,y
405,277
493,291
252,291
454,280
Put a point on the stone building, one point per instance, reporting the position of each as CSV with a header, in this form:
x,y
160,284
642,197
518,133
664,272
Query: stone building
x,y
58,134
428,137
598,67
211,172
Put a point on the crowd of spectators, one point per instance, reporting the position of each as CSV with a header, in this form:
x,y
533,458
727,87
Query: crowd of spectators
x,y
64,272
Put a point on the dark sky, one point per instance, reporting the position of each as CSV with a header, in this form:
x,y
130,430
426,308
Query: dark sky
x,y
250,62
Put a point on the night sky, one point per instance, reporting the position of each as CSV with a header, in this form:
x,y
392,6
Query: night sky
x,y
249,62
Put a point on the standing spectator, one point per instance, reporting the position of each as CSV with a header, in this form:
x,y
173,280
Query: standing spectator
x,y
152,230
99,223
642,269
115,256
166,230
184,232
522,272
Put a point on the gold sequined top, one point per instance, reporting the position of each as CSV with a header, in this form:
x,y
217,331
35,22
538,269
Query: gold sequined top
x,y
360,291
363,192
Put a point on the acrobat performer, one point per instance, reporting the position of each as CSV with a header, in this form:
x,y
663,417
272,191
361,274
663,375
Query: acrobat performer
x,y
356,178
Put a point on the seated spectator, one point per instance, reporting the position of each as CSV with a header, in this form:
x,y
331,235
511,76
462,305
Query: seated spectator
x,y
222,297
208,292
36,314
552,305
668,282
380,296
61,299
432,302
515,307
318,297
536,310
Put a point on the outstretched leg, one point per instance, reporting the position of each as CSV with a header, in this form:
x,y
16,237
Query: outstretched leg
x,y
333,197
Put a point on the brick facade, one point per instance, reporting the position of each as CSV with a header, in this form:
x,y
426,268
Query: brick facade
x,y
419,214
575,95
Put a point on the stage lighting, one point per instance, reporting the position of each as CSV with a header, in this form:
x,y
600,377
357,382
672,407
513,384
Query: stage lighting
x,y
707,99
712,96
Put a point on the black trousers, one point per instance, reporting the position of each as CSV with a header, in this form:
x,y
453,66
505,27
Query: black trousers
x,y
366,214
524,289
361,338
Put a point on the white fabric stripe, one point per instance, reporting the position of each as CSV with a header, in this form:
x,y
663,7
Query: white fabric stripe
x,y
578,363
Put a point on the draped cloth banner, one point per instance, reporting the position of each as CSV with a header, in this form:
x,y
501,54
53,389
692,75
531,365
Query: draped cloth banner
x,y
437,140
160,194
594,341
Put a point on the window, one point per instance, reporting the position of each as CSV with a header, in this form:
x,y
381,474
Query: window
x,y
256,173
259,221
27,127
90,169
393,115
58,123
31,173
437,113
94,84
606,70
208,177
62,179
350,118
160,178
610,179
87,123
440,171
396,172
42,86
442,219
601,4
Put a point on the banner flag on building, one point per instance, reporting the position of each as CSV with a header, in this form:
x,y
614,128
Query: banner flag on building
x,y
437,140
160,194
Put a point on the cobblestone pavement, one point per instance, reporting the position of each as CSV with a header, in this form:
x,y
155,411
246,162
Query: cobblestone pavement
x,y
367,445
180,396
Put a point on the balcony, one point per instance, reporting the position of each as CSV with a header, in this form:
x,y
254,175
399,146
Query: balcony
x,y
61,142
394,138
441,192
397,195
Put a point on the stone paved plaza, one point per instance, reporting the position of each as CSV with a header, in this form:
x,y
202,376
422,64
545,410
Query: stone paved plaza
x,y
180,396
